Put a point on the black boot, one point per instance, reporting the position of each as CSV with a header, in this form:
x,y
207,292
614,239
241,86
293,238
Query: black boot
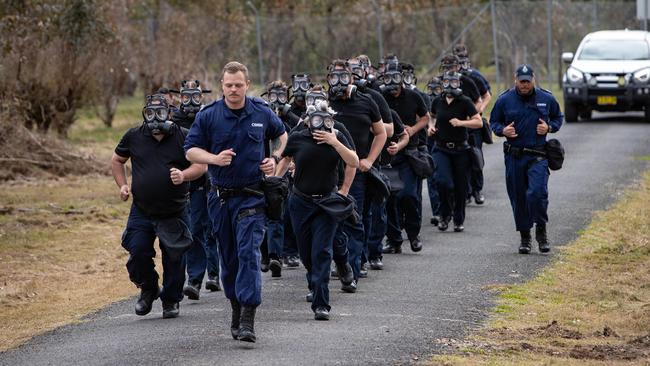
x,y
236,314
345,274
247,324
542,239
147,297
524,247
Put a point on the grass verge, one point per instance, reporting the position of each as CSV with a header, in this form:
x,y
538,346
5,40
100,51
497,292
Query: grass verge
x,y
591,306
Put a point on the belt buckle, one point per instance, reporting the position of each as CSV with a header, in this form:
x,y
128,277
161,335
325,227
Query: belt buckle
x,y
450,145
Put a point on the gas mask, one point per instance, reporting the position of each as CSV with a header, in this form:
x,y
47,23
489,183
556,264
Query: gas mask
x,y
391,79
315,97
449,63
191,95
359,75
434,87
156,114
320,117
451,84
464,63
300,83
340,83
278,98
409,79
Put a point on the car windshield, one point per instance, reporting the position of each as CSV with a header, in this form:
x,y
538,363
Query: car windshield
x,y
615,50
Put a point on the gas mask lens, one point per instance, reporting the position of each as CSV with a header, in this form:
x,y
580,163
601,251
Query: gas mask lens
x,y
191,98
408,78
338,78
313,100
159,114
328,122
149,114
196,98
316,121
186,98
393,78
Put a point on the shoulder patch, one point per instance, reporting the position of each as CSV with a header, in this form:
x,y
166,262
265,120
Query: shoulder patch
x,y
258,100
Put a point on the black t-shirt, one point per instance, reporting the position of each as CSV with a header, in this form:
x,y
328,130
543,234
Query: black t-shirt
x,y
358,114
378,98
478,82
152,188
469,88
398,129
237,112
316,164
409,106
462,108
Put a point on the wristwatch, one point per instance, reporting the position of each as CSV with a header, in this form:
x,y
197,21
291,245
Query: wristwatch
x,y
276,158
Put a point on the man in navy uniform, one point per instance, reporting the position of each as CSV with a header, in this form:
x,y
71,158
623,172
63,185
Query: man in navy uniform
x,y
229,135
159,209
525,114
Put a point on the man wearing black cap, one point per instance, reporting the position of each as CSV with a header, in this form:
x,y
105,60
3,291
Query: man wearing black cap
x,y
525,114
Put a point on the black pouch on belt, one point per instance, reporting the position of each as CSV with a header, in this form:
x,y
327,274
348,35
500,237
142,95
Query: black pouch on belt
x,y
174,235
554,154
275,190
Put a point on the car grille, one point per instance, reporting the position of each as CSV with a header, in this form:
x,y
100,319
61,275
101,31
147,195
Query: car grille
x,y
607,91
608,81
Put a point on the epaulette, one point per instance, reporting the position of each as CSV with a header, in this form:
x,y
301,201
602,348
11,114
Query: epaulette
x,y
206,106
258,100
505,91
546,90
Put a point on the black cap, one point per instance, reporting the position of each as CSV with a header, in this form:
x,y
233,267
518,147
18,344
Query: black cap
x,y
525,72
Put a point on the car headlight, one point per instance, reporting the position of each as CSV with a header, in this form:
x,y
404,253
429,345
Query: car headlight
x,y
574,75
642,76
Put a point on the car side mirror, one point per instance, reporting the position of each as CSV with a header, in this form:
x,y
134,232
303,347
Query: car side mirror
x,y
567,57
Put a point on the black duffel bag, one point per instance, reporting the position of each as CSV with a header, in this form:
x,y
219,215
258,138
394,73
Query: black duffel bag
x,y
275,190
420,161
554,154
486,133
396,183
378,185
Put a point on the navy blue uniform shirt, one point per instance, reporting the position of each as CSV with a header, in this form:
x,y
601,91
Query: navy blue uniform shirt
x,y
526,111
216,128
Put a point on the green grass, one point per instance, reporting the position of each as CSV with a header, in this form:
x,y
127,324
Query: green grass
x,y
90,129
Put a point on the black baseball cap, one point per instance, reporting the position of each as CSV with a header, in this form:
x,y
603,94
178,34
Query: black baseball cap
x,y
524,72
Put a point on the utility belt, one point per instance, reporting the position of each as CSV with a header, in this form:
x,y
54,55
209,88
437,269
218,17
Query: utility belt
x,y
226,193
453,145
518,152
308,197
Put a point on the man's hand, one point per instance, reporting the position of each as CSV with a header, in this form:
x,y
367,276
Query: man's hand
x,y
224,158
509,131
542,127
456,122
365,165
431,131
177,176
268,166
324,137
409,130
125,192
343,192
392,148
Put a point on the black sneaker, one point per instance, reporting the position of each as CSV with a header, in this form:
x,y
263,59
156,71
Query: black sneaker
x,y
376,264
478,198
276,268
392,248
458,228
443,225
524,246
321,313
170,310
212,283
344,273
147,297
351,288
292,261
310,297
192,291
363,272
416,244
435,220
264,265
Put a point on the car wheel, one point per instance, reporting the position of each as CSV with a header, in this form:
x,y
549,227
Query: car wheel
x,y
646,113
570,112
585,114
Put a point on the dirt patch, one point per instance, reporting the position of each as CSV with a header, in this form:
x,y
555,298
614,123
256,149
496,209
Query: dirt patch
x,y
24,153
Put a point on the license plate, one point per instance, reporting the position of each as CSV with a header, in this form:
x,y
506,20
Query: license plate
x,y
606,100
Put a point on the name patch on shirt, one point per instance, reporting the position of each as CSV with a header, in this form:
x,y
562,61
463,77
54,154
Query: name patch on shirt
x,y
541,104
254,124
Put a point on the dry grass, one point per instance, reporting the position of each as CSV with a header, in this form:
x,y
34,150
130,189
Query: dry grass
x,y
60,253
591,306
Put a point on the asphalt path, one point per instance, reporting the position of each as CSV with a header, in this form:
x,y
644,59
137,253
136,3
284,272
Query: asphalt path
x,y
399,312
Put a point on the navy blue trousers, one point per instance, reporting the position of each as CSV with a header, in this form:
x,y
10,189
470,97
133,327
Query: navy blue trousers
x,y
452,176
290,246
432,187
239,246
204,253
404,209
355,233
476,173
527,184
138,239
378,228
315,232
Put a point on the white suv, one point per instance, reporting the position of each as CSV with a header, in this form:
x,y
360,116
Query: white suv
x,y
610,72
